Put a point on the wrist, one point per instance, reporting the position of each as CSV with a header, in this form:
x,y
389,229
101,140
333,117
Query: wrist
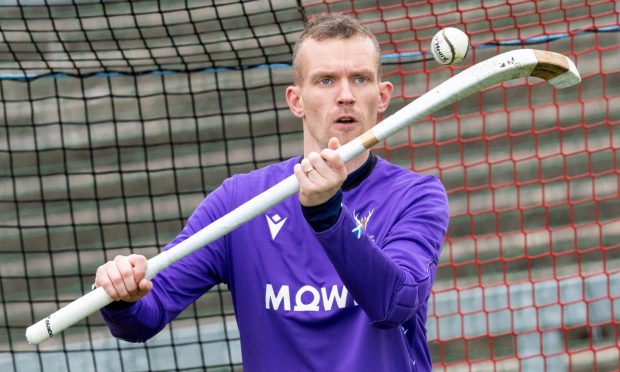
x,y
323,216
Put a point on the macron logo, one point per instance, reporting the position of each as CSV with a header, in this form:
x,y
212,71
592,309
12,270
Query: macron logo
x,y
275,224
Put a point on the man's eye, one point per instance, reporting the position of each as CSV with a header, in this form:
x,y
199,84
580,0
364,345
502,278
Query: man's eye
x,y
325,81
361,79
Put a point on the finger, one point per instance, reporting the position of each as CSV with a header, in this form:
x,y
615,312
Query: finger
x,y
102,280
145,287
331,155
126,271
306,165
139,264
115,279
308,168
301,176
333,143
329,166
322,168
333,158
335,162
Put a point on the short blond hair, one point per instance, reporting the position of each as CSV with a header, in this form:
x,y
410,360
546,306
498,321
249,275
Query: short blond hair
x,y
333,26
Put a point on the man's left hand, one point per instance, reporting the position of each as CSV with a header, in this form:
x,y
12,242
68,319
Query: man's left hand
x,y
321,175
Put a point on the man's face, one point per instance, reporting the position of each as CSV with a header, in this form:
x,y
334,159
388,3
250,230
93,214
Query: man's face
x,y
338,93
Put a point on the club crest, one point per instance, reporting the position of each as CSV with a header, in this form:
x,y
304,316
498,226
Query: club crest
x,y
361,224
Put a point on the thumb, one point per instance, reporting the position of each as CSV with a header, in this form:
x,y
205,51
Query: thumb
x,y
145,285
139,264
333,143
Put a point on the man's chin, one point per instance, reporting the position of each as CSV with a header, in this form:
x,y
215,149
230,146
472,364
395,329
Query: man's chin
x,y
345,136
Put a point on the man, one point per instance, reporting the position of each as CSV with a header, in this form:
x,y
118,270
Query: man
x,y
336,278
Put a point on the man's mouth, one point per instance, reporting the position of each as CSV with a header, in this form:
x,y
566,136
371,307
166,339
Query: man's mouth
x,y
346,120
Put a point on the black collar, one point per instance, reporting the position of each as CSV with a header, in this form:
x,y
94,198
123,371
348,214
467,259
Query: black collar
x,y
357,176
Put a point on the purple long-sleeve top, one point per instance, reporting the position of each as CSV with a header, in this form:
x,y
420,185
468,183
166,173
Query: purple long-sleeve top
x,y
352,297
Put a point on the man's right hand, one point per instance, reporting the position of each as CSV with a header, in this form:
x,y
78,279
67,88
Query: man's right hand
x,y
124,278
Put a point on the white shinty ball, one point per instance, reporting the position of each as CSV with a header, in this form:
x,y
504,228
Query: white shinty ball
x,y
449,46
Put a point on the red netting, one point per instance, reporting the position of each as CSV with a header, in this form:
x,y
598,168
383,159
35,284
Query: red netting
x,y
530,270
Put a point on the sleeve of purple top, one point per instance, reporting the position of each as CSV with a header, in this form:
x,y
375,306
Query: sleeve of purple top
x,y
180,284
390,281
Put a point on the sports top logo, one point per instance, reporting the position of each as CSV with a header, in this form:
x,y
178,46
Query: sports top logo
x,y
275,223
361,225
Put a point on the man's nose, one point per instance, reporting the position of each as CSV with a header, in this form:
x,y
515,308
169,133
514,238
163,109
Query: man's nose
x,y
345,95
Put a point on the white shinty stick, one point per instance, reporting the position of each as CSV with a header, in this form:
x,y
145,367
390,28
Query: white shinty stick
x,y
556,68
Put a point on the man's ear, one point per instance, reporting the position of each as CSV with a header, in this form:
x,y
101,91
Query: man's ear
x,y
294,100
385,94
